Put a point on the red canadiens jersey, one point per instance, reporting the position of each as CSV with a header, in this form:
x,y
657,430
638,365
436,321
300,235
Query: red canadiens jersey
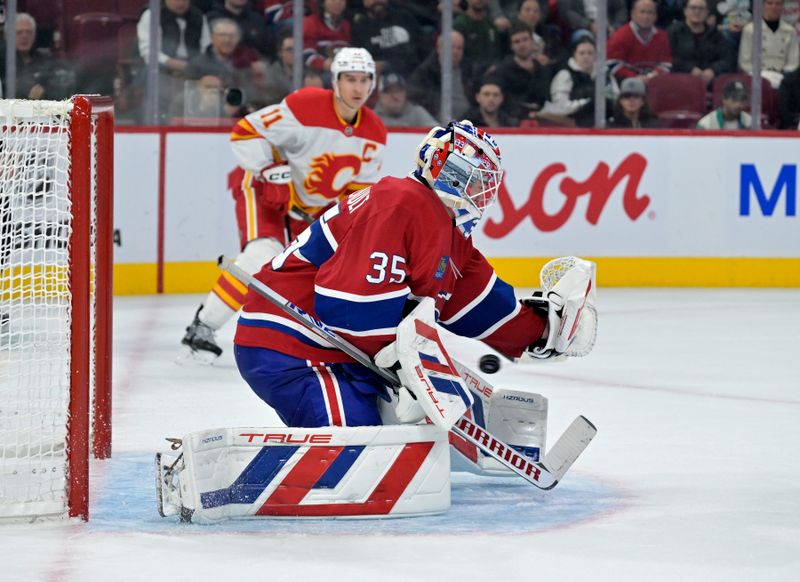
x,y
328,157
360,267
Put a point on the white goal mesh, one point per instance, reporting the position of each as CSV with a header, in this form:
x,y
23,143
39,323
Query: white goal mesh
x,y
36,305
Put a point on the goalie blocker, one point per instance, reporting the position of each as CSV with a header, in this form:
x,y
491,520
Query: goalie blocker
x,y
371,471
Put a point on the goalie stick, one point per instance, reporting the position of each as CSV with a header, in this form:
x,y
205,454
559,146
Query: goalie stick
x,y
544,474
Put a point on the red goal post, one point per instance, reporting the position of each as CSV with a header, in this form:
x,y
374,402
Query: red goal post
x,y
56,217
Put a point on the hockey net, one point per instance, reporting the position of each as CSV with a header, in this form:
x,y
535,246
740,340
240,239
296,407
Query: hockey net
x,y
55,296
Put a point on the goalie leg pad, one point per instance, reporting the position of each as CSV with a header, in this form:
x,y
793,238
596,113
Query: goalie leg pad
x,y
516,417
365,472
426,368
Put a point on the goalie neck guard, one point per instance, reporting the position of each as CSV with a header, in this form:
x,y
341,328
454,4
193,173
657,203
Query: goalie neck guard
x,y
352,60
461,163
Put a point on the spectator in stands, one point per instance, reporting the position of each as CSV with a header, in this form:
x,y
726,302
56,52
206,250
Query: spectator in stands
x,y
791,14
530,14
389,33
425,82
324,31
731,114
204,99
252,25
502,13
789,101
581,15
524,81
312,78
630,109
489,110
480,35
572,88
639,49
279,14
39,75
669,11
779,47
734,16
696,47
184,35
218,60
427,13
278,77
394,108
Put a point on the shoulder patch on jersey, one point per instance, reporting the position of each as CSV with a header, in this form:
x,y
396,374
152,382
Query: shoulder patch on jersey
x,y
441,268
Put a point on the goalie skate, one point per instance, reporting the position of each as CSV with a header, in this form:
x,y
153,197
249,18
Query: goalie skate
x,y
168,487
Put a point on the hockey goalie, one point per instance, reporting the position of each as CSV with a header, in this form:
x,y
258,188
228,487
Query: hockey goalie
x,y
379,274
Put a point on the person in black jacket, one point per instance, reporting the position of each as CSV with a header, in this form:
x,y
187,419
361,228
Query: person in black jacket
x,y
489,111
572,88
389,33
525,83
425,82
789,101
38,74
698,48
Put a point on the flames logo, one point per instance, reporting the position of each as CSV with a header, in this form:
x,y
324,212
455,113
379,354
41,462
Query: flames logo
x,y
330,174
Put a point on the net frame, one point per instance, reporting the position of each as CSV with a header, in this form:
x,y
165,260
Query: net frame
x,y
90,280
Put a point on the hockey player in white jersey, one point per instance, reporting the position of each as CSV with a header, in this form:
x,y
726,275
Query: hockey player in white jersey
x,y
297,158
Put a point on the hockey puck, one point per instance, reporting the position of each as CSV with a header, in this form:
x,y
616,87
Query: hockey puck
x,y
489,364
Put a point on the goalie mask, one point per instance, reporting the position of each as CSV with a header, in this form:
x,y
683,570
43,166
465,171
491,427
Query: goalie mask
x,y
461,163
352,60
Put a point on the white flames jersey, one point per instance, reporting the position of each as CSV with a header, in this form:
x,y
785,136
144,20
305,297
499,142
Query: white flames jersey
x,y
328,157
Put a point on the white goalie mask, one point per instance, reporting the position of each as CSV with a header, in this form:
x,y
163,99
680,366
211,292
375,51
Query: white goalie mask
x,y
352,60
461,163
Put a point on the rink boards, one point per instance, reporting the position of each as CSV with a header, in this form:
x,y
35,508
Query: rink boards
x,y
681,209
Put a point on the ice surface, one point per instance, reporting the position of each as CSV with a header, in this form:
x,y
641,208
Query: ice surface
x,y
692,476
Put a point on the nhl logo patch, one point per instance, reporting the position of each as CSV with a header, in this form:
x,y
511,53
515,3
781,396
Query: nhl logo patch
x,y
348,130
441,268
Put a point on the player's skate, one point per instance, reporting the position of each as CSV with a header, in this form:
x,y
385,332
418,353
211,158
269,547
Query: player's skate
x,y
201,341
168,485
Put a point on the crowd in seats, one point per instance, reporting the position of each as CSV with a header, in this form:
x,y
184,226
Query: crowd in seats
x,y
518,63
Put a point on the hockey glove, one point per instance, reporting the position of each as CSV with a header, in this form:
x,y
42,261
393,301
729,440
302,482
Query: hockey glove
x,y
407,409
568,297
274,187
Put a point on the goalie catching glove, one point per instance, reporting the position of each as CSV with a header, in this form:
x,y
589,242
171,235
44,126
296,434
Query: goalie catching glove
x,y
568,297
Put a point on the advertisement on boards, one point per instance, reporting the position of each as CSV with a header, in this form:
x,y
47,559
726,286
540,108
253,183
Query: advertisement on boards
x,y
614,196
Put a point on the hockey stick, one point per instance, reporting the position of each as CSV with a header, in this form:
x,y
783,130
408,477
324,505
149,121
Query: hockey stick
x,y
302,213
544,474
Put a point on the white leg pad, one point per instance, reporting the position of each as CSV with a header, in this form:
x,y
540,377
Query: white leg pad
x,y
517,417
338,472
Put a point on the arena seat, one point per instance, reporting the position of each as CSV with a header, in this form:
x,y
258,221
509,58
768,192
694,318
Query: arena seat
x,y
94,47
677,92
